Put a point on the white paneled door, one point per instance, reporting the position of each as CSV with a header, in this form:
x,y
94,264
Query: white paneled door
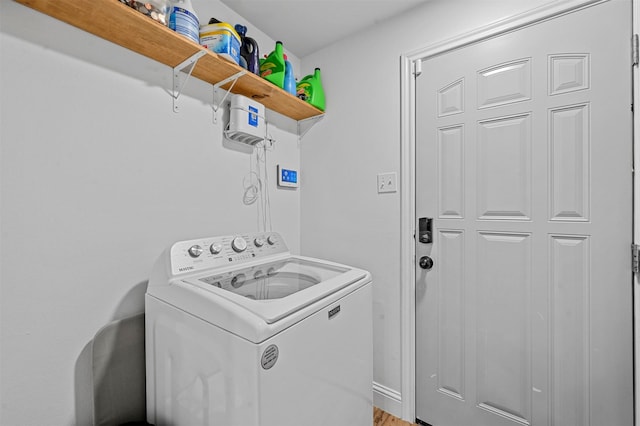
x,y
523,161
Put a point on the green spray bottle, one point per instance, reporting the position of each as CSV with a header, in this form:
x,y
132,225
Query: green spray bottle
x,y
310,89
272,68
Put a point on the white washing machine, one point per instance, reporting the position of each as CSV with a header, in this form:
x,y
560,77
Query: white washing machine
x,y
241,332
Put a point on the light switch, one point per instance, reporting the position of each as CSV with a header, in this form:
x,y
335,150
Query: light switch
x,y
387,182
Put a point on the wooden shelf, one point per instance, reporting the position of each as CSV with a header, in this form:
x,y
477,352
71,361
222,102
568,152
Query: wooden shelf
x,y
121,24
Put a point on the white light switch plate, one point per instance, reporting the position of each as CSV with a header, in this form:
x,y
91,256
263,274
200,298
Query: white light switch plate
x,y
387,182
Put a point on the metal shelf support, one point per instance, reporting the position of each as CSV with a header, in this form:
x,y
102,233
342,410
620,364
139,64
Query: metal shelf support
x,y
305,125
217,86
181,74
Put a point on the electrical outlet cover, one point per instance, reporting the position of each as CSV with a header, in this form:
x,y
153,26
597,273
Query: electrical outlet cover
x,y
387,182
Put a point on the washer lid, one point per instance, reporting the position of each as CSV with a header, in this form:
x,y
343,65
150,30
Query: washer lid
x,y
277,289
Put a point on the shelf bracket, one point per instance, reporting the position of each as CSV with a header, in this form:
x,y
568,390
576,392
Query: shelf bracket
x,y
217,86
180,80
305,125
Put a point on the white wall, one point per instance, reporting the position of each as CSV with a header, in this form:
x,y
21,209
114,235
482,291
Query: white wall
x,y
98,176
343,217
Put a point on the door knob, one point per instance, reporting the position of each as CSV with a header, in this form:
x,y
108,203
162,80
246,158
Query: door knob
x,y
426,262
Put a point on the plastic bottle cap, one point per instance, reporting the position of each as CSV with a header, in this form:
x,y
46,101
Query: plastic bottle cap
x,y
240,29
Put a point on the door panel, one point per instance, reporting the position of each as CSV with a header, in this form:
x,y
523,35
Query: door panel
x,y
503,188
503,324
523,159
451,302
569,269
569,163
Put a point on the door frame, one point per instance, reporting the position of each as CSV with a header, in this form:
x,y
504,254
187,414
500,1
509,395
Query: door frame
x,y
410,64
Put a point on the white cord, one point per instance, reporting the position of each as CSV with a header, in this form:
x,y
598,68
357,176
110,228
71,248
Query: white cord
x,y
267,200
252,187
252,182
261,206
264,195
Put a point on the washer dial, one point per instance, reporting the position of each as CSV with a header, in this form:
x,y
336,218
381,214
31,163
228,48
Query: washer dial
x,y
215,248
195,251
271,239
239,244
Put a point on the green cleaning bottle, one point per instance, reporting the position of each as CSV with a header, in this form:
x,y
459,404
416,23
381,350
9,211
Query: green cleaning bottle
x,y
272,68
310,89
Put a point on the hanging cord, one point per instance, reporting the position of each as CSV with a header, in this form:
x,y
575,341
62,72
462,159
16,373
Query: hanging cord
x,y
267,198
267,145
252,187
251,184
261,213
259,164
256,183
263,172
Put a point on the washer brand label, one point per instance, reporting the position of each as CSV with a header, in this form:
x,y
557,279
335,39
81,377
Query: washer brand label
x,y
269,357
185,268
333,312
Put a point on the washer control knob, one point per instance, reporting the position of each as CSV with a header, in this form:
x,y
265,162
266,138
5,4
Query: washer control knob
x,y
195,251
215,248
271,239
259,242
239,244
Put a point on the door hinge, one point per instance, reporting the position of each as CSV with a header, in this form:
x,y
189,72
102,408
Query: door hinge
x,y
635,258
635,58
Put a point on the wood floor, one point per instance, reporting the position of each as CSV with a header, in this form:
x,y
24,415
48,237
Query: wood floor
x,y
382,418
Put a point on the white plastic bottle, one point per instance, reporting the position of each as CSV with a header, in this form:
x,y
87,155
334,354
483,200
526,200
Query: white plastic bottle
x,y
183,20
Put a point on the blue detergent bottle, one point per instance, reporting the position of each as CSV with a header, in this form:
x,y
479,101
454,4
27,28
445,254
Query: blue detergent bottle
x,y
289,79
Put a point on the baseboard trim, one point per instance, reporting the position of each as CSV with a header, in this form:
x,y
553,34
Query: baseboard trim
x,y
387,399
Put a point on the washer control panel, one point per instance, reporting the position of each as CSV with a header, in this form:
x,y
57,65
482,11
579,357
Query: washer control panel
x,y
215,252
